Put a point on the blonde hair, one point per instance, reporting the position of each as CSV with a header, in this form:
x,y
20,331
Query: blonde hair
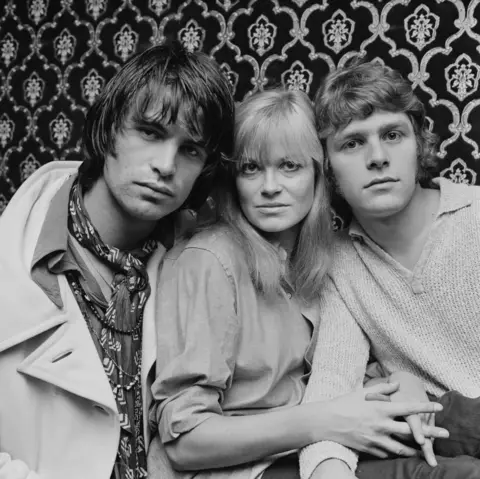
x,y
289,113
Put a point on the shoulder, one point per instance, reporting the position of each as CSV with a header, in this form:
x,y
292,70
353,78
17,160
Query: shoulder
x,y
474,192
455,196
213,245
471,193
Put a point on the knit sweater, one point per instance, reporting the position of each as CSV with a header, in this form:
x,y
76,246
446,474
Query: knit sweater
x,y
425,321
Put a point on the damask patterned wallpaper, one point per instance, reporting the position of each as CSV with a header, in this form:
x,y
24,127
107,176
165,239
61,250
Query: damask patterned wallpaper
x,y
56,55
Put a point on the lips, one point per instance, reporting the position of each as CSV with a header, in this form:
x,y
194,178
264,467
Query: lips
x,y
159,189
379,181
271,205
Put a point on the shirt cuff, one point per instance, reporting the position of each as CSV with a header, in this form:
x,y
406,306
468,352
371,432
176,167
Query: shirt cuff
x,y
311,456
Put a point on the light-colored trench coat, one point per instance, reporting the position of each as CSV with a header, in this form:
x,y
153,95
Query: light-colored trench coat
x,y
57,411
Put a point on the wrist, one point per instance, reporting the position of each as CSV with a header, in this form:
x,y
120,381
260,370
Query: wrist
x,y
307,422
320,422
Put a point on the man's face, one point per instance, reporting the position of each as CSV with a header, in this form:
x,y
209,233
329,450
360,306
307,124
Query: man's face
x,y
374,162
153,170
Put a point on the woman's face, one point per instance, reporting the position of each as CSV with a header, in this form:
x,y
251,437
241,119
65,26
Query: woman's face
x,y
277,192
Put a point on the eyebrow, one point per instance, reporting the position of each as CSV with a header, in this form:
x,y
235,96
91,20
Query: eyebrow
x,y
365,132
142,122
190,138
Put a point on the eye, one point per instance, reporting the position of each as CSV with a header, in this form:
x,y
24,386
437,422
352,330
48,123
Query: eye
x,y
351,144
249,168
194,151
393,136
191,150
290,166
152,134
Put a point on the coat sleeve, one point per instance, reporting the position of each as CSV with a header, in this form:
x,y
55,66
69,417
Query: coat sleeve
x,y
197,332
339,363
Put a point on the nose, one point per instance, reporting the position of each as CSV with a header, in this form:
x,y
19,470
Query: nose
x,y
164,158
378,156
270,186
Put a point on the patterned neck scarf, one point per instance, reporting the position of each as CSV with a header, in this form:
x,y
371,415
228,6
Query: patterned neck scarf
x,y
130,288
117,331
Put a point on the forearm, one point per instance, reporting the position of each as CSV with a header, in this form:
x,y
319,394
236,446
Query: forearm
x,y
223,441
338,368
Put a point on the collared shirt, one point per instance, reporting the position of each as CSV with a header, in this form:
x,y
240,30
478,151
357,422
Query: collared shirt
x,y
223,348
52,255
57,252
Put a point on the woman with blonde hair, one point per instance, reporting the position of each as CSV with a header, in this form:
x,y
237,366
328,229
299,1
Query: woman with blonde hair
x,y
237,313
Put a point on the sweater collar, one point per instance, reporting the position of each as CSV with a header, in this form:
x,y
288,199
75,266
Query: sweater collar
x,y
453,197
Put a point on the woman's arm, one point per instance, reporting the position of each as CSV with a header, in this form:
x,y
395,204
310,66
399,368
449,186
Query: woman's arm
x,y
197,336
223,441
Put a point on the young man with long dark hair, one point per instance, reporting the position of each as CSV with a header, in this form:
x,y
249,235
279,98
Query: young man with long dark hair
x,y
80,247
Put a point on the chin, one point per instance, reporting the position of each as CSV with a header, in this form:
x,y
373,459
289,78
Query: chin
x,y
387,207
273,228
386,211
147,214
143,210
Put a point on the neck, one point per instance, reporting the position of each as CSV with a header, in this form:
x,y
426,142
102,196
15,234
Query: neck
x,y
397,233
115,227
284,239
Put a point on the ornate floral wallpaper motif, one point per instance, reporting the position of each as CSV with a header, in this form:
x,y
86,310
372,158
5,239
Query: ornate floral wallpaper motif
x,y
56,55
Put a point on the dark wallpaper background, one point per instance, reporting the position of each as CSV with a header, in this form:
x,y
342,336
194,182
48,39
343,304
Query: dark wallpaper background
x,y
56,55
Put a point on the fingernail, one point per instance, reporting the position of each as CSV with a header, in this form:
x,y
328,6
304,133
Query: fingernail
x,y
438,407
444,433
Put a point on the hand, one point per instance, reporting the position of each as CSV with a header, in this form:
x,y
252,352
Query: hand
x,y
412,389
370,426
14,468
420,424
332,468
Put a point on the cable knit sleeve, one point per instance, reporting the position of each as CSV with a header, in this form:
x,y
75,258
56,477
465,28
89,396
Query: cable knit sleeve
x,y
339,365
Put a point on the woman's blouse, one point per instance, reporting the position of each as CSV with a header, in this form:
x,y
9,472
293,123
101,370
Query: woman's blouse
x,y
223,349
